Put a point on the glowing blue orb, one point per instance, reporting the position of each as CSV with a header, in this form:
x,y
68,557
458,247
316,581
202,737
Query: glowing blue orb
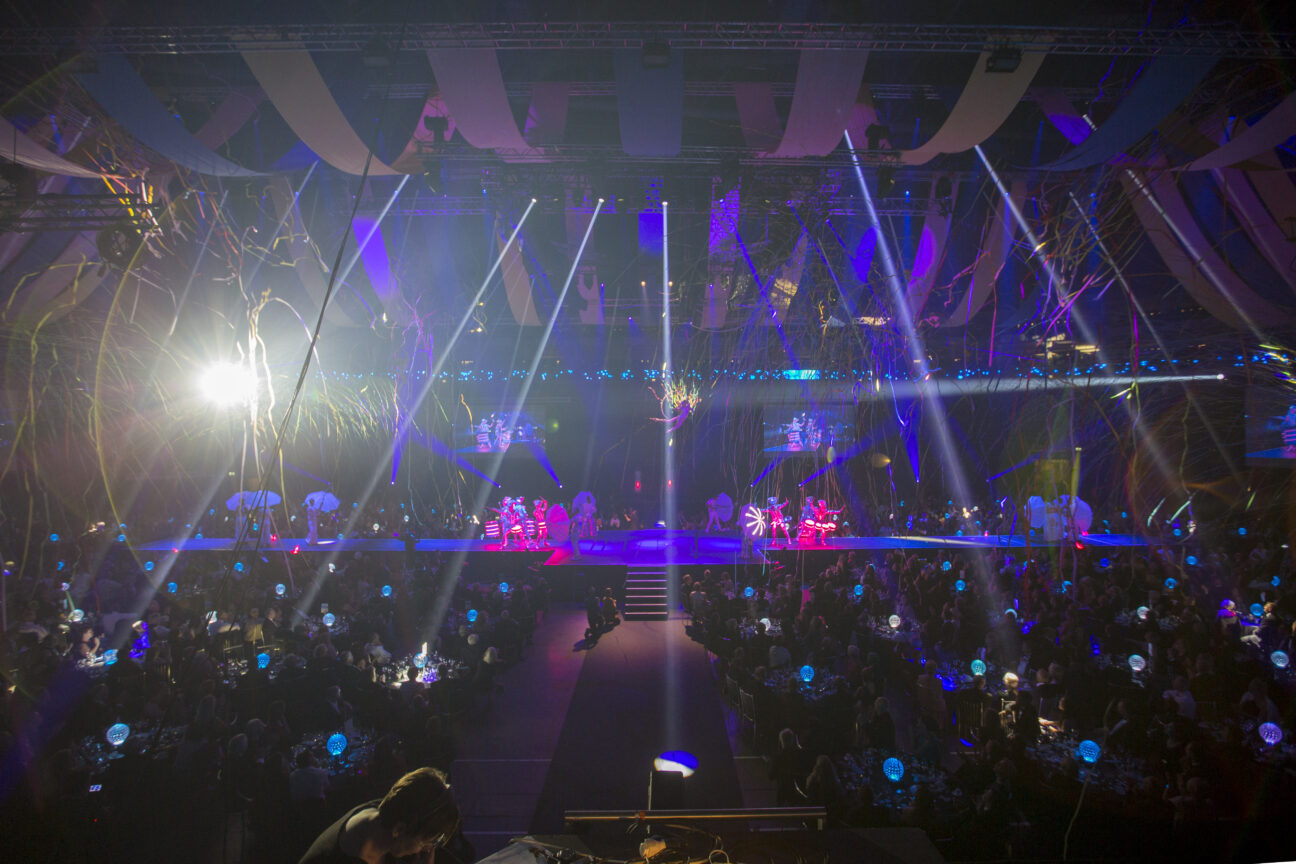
x,y
337,743
1142,612
148,566
978,667
1191,560
1137,663
1104,563
1257,609
386,590
677,762
960,585
1089,751
749,592
172,587
121,538
238,566
1280,660
420,660
859,590
61,565
1271,733
117,734
329,619
1276,581
53,538
893,768
946,565
263,660
110,656
504,588
1241,532
1170,583
472,616
1178,532
894,621
281,589
76,616
807,673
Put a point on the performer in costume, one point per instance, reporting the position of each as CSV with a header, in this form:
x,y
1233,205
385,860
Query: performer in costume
x,y
777,520
713,514
483,435
312,521
503,435
794,434
825,520
538,507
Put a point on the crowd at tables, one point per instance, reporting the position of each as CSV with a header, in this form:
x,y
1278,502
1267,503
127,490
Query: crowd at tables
x,y
151,713
976,693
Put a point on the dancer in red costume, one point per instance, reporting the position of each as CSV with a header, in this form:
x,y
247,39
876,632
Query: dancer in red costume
x,y
777,520
825,520
538,507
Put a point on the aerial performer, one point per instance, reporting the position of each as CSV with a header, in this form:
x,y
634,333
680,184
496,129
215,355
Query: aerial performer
x,y
678,400
777,520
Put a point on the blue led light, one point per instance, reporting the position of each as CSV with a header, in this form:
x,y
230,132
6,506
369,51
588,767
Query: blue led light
x,y
263,660
807,673
1280,660
504,587
960,585
110,656
978,667
1137,663
117,734
749,592
1178,532
281,589
1241,532
54,538
1257,609
329,619
472,616
893,768
386,591
1089,751
420,660
172,587
1104,563
238,566
859,590
946,565
337,744
1170,583
148,566
121,538
1191,560
1276,581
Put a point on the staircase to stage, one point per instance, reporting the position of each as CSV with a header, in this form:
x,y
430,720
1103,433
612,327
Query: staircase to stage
x,y
646,594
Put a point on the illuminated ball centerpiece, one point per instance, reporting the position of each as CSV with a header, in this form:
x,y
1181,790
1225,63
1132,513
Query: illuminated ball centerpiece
x,y
960,585
504,587
859,590
386,591
263,660
749,592
117,734
894,621
1170,583
893,769
1280,660
946,565
1142,612
281,589
978,667
1257,610
1271,733
1089,751
807,673
172,587
1137,663
337,744
329,619
110,656
420,660
472,616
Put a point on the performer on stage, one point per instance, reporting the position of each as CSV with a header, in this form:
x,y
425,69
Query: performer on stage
x,y
794,434
312,520
503,435
777,520
713,514
483,435
825,520
507,519
538,507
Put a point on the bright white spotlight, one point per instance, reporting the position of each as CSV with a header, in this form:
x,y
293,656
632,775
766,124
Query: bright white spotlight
x,y
227,384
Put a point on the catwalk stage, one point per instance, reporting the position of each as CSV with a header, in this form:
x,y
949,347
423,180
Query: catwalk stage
x,y
649,547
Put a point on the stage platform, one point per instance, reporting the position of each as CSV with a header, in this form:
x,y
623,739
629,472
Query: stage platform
x,y
646,548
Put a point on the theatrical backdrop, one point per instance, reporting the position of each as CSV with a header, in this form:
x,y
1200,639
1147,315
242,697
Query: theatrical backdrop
x,y
367,345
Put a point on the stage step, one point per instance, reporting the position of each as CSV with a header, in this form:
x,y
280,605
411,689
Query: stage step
x,y
646,594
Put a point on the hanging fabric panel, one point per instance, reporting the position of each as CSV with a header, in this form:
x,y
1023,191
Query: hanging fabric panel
x,y
1267,133
996,241
823,101
472,85
756,114
293,84
547,116
1264,232
987,100
517,283
931,251
650,104
17,147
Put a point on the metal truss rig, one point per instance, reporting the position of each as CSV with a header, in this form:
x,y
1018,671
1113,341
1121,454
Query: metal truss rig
x,y
76,212
1210,39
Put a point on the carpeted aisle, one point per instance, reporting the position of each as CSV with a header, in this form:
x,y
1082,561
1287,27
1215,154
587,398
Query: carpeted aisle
x,y
617,723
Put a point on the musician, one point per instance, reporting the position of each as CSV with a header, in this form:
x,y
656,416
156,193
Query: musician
x,y
538,507
825,520
417,816
483,435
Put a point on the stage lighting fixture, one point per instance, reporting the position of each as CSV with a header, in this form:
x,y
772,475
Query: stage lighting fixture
x,y
228,384
655,55
377,54
1004,59
677,762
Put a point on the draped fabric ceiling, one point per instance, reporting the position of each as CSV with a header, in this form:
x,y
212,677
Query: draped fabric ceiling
x,y
829,95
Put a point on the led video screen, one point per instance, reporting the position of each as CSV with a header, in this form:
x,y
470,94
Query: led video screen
x,y
807,428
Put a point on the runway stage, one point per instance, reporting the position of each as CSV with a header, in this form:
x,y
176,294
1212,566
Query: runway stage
x,y
655,547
